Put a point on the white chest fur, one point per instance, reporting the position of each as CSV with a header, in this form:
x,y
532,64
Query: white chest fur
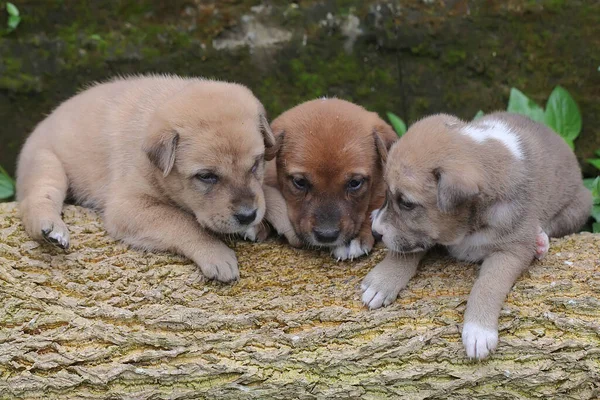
x,y
474,247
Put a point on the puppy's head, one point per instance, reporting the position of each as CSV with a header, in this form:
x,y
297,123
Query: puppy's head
x,y
206,146
432,185
329,167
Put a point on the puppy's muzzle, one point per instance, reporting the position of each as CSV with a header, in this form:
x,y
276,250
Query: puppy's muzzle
x,y
327,235
378,236
245,216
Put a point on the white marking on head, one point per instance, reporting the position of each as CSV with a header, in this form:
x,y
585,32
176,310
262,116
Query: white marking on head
x,y
496,130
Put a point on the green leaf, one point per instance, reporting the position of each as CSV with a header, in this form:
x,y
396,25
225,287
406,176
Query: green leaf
x,y
596,227
397,123
595,162
7,187
596,212
13,22
521,104
596,188
563,115
598,152
478,115
589,183
3,172
12,10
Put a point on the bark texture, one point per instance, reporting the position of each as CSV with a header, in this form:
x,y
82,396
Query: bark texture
x,y
104,321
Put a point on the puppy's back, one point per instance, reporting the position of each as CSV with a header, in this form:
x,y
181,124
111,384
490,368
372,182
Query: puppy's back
x,y
550,163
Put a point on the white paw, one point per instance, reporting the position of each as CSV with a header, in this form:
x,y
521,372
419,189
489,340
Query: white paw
x,y
378,289
56,233
251,234
221,266
352,250
542,244
479,342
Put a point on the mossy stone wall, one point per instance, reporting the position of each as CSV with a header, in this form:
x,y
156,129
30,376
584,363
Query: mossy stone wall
x,y
411,57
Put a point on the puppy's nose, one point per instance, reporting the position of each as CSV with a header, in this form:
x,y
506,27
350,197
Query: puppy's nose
x,y
326,235
378,236
246,217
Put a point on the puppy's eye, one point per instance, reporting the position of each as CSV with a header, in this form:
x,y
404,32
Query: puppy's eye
x,y
355,184
300,183
405,205
207,177
255,166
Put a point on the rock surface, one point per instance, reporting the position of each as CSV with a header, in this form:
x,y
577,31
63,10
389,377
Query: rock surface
x,y
104,321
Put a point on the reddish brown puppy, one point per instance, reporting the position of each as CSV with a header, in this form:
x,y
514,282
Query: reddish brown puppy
x,y
327,176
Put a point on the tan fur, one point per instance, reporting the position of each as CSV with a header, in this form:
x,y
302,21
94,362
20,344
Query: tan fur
x,y
486,200
133,148
328,143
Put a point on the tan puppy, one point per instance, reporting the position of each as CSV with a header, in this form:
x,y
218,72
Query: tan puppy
x,y
488,190
327,177
167,160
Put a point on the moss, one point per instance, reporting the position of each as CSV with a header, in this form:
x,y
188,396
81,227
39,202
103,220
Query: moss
x,y
453,57
412,60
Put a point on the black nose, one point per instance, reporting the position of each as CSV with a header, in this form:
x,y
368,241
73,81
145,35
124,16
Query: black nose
x,y
326,235
378,236
246,217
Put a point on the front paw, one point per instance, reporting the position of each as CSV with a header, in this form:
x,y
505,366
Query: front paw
x,y
221,265
356,248
257,233
379,289
479,341
293,239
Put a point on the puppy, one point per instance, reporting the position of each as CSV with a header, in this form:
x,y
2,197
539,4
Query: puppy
x,y
327,175
491,190
167,160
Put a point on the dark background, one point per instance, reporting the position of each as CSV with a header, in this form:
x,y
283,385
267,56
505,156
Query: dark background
x,y
410,57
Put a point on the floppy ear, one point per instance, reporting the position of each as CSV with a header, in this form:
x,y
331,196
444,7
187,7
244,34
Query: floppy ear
x,y
160,149
384,137
271,146
455,187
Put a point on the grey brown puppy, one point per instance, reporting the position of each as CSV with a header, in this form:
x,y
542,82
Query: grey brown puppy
x,y
491,190
328,175
167,160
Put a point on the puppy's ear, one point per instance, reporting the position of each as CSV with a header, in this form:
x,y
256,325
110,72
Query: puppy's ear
x,y
384,137
271,146
160,149
455,187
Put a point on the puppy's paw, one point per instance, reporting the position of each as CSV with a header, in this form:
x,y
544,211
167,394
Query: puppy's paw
x,y
55,232
542,244
257,233
220,265
293,239
356,248
479,341
378,289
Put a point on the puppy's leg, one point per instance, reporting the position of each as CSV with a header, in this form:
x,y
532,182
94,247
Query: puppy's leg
x,y
144,223
41,189
277,215
498,273
362,244
383,283
573,216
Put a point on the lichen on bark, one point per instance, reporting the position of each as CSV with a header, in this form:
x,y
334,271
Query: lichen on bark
x,y
105,321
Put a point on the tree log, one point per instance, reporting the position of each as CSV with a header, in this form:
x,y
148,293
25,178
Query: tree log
x,y
104,321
